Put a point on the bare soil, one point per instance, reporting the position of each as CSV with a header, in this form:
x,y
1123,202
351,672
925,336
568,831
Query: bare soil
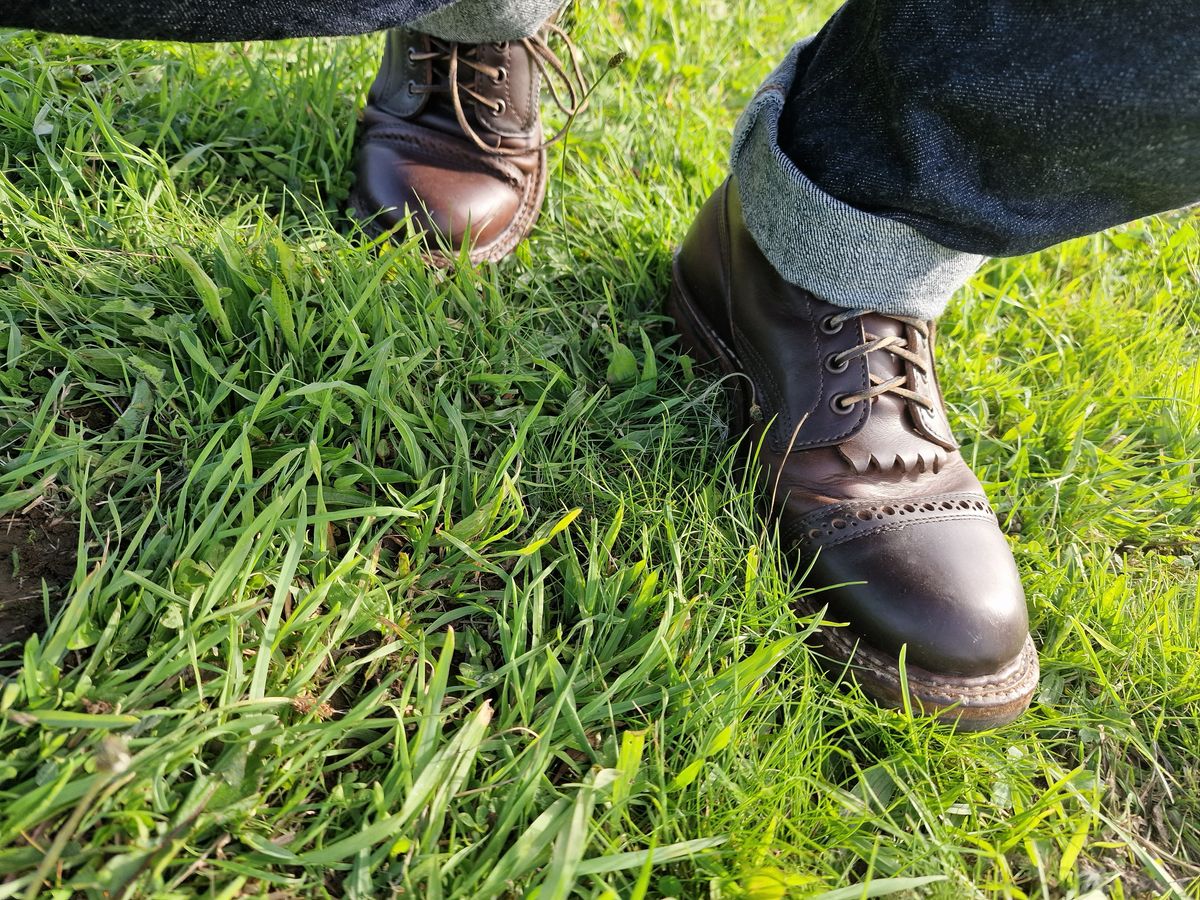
x,y
35,549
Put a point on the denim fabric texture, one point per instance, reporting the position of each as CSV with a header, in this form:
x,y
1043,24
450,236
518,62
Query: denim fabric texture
x,y
215,20
843,255
477,21
468,21
1002,126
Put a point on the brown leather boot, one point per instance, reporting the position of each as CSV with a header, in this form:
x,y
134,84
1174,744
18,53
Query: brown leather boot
x,y
452,135
863,472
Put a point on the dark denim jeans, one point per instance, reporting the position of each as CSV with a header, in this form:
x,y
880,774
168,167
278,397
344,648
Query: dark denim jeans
x,y
999,127
212,20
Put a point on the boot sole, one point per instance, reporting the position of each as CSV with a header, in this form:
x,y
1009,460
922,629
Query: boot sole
x,y
974,703
508,241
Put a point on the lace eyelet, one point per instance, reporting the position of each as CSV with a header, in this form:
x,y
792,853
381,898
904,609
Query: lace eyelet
x,y
836,363
501,76
412,56
412,88
838,405
499,109
829,326
500,46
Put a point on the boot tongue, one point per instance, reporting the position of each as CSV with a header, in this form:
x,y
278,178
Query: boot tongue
x,y
890,441
506,116
440,114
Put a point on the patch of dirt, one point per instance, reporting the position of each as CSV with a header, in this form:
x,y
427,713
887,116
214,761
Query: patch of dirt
x,y
35,547
95,416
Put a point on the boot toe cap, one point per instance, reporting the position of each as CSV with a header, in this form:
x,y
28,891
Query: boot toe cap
x,y
454,204
947,589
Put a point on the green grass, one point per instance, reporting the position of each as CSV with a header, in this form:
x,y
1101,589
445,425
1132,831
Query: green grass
x,y
398,583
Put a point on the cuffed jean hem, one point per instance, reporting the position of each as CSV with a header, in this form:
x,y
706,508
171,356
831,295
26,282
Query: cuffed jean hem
x,y
481,21
841,254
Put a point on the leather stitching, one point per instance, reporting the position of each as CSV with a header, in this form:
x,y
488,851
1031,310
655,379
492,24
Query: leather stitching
x,y
896,526
726,262
781,436
532,101
1009,684
1008,687
885,517
438,149
523,223
849,507
759,372
711,333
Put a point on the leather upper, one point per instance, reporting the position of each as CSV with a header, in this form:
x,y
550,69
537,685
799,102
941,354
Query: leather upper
x,y
467,172
873,492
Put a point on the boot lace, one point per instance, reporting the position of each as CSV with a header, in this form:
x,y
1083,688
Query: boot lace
x,y
564,80
894,344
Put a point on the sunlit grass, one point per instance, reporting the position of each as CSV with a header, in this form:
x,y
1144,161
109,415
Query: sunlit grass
x,y
392,580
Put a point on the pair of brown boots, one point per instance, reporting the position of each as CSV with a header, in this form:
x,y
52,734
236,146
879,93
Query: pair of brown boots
x,y
843,408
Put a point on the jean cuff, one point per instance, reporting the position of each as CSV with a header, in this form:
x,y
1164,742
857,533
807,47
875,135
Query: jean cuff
x,y
485,21
841,254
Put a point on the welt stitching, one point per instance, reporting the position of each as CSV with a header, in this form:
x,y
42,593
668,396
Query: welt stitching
x,y
900,526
